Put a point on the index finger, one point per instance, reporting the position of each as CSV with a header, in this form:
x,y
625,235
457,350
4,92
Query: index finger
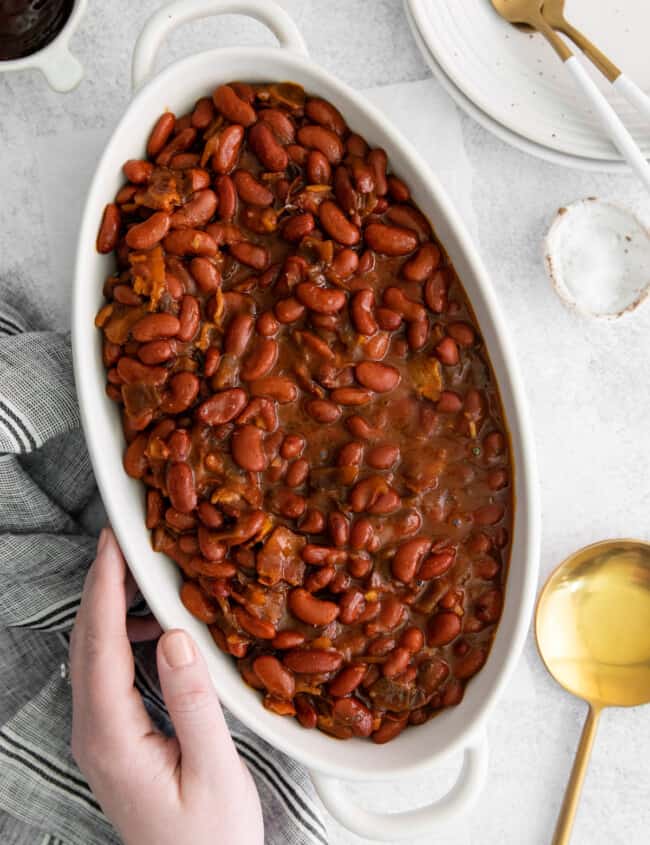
x,y
101,661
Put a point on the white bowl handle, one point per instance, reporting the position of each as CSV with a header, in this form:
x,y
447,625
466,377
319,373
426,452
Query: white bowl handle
x,y
61,69
387,827
174,14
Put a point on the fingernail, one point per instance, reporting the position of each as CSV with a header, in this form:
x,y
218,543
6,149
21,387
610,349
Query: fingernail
x,y
178,649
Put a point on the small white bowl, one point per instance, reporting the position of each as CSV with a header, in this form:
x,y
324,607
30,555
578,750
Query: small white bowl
x,y
597,256
62,71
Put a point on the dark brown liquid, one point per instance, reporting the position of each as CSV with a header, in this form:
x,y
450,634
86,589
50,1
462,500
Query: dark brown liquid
x,y
27,26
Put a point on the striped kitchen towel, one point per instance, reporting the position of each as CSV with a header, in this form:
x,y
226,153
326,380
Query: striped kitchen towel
x,y
49,517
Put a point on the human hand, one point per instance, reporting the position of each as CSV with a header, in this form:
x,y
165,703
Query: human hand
x,y
155,790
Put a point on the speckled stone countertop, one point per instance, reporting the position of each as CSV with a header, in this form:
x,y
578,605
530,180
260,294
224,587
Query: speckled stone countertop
x,y
587,382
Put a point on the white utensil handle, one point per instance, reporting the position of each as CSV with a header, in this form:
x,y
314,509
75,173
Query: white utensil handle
x,y
633,94
387,827
611,122
168,17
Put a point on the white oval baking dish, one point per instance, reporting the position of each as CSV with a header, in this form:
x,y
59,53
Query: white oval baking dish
x,y
329,761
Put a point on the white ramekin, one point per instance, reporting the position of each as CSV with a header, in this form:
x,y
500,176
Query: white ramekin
x,y
329,761
62,71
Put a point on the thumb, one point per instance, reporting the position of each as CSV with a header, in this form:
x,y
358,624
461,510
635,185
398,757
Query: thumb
x,y
206,746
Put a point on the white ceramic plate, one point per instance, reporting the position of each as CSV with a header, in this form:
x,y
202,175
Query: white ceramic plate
x,y
515,84
502,132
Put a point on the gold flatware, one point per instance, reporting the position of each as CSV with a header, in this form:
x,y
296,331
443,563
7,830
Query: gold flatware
x,y
553,12
593,633
530,12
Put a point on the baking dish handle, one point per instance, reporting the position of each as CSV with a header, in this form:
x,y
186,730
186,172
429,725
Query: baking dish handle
x,y
387,827
167,18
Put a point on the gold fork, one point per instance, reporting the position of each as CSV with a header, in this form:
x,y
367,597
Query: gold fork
x,y
530,12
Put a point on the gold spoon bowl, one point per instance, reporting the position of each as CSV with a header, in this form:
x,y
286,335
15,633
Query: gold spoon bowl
x,y
593,633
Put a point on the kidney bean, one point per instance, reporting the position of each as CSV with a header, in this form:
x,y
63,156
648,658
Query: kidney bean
x,y
488,606
135,461
289,310
378,161
497,479
247,448
443,628
318,168
197,178
324,113
250,254
189,318
396,663
190,242
462,333
297,473
184,137
206,274
389,728
280,123
155,327
494,444
180,487
311,610
319,579
298,226
412,639
138,171
398,190
160,133
151,231
312,661
197,212
184,161
297,154
156,352
238,334
345,263
292,446
449,402
226,155
353,714
397,301
337,225
446,352
251,190
469,665
323,139
320,555
233,107
435,292
222,407
408,558
351,396
183,388
383,457
376,376
352,604
347,680
489,514
390,240
320,299
356,146
338,526
131,371
305,712
109,229
261,360
288,639
264,144
409,217
203,113
363,175
323,411
198,604
280,388
361,311
437,564
345,194
275,678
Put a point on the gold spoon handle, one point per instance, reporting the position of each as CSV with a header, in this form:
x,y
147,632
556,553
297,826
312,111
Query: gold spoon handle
x,y
604,65
574,787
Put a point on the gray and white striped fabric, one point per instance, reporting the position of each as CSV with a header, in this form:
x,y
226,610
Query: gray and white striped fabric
x,y
49,516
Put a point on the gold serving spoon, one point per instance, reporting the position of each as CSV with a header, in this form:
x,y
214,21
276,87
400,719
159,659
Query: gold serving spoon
x,y
593,633
530,12
553,12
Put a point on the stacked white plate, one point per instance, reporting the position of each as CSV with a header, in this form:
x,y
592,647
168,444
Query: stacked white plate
x,y
513,84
